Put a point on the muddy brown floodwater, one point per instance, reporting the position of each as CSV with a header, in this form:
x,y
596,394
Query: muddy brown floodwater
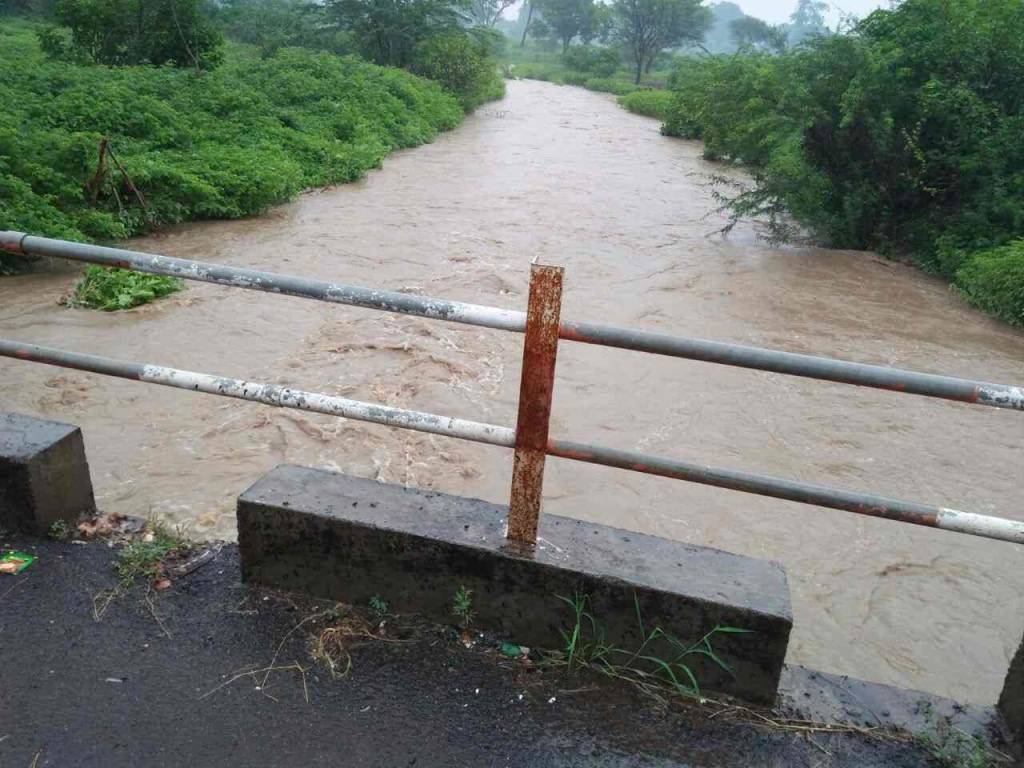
x,y
567,176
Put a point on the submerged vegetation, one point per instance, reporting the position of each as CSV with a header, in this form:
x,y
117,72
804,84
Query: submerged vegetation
x,y
113,289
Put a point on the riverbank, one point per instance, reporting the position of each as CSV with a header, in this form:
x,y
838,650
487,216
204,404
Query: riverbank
x,y
901,136
155,146
211,671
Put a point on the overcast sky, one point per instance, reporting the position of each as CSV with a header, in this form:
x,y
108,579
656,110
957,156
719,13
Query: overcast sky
x,y
776,11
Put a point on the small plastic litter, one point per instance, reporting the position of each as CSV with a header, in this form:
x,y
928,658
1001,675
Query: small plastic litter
x,y
16,562
514,651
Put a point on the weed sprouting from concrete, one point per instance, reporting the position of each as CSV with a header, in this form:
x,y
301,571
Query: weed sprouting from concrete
x,y
379,605
60,530
462,606
587,648
951,747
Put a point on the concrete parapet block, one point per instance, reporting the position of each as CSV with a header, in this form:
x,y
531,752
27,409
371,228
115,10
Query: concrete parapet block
x,y
348,539
1011,701
44,476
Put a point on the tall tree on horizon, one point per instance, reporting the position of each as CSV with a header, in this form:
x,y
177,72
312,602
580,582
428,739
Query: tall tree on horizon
x,y
566,18
807,20
647,27
486,13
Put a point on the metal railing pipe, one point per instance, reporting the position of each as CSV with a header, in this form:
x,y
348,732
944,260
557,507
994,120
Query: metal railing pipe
x,y
793,364
269,394
804,493
269,282
775,361
863,504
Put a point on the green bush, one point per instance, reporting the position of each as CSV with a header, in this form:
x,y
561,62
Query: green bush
x,y
593,60
648,102
228,144
993,280
608,85
113,289
905,136
537,71
461,65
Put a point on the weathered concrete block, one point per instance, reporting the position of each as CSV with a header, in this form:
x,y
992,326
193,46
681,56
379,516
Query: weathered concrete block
x,y
44,476
349,539
1011,701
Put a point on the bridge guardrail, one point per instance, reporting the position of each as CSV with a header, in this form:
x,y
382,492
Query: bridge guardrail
x,y
543,328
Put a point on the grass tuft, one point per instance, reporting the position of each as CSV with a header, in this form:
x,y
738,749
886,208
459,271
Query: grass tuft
x,y
462,606
379,605
587,648
61,530
142,558
951,747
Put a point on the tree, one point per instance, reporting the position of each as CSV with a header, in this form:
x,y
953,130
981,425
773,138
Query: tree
x,y
808,20
460,63
598,24
647,27
566,18
275,24
486,13
387,31
750,34
526,24
122,32
27,7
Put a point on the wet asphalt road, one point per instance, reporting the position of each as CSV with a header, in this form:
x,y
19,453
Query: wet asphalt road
x,y
118,691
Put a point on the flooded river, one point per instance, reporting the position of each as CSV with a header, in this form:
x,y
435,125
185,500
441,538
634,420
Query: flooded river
x,y
567,176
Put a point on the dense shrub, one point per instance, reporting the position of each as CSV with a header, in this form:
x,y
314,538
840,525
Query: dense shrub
x,y
227,144
648,102
993,280
594,60
905,136
461,65
609,85
537,71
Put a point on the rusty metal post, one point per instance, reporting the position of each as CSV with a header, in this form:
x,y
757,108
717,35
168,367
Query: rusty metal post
x,y
535,391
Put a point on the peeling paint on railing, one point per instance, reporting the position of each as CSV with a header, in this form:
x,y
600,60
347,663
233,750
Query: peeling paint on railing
x,y
285,397
774,361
